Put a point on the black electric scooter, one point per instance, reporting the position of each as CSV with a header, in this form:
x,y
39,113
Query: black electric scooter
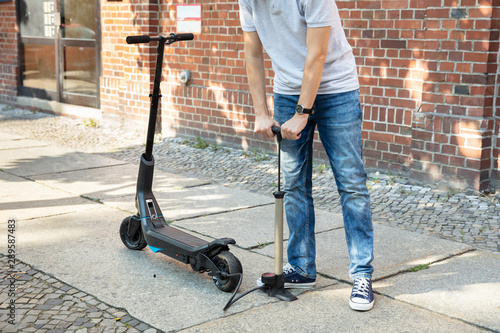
x,y
148,226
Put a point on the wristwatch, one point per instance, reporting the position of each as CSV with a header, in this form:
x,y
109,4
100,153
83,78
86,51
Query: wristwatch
x,y
300,109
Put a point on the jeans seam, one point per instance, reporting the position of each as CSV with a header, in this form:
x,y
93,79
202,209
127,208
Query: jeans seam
x,y
306,231
308,208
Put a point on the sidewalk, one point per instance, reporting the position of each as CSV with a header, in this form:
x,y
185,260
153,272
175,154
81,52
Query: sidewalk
x,y
68,193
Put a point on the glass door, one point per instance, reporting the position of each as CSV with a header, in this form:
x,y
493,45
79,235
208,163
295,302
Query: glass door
x,y
59,50
78,51
38,49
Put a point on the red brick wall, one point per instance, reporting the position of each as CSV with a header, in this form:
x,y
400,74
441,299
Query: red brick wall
x,y
495,25
8,52
428,74
127,70
216,105
428,71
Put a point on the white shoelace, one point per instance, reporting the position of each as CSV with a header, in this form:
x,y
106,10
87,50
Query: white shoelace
x,y
361,287
288,269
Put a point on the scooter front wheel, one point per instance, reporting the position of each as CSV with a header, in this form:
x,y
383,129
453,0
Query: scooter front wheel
x,y
131,233
226,262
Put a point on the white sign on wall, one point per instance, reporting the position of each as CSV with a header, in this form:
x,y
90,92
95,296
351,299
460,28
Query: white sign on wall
x,y
189,19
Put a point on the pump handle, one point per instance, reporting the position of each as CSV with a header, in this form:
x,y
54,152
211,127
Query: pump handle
x,y
277,130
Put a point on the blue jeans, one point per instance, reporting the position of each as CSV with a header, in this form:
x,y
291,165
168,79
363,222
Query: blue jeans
x,y
338,118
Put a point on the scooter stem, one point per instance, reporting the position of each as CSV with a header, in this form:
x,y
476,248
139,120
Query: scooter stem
x,y
155,98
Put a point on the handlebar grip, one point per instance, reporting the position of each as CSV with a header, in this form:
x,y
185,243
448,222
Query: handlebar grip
x,y
186,36
138,39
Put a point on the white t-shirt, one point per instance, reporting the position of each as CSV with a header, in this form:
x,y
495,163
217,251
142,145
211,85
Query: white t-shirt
x,y
282,28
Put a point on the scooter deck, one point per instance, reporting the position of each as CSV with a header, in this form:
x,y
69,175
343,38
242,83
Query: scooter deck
x,y
175,242
180,236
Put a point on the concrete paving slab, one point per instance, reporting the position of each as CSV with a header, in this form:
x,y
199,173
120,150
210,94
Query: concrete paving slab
x,y
21,144
253,227
327,310
395,250
112,181
89,255
23,199
40,160
196,201
465,287
6,136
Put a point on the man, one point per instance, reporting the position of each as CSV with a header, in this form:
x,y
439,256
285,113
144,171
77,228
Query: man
x,y
315,85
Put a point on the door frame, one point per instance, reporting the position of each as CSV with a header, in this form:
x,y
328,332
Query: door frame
x,y
59,95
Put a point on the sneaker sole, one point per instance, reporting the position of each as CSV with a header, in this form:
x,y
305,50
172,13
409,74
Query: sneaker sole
x,y
361,306
289,285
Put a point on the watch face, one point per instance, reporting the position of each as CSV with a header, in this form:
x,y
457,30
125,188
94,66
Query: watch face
x,y
300,109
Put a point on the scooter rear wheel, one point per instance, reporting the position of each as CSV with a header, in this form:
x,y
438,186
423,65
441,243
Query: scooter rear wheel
x,y
134,240
226,262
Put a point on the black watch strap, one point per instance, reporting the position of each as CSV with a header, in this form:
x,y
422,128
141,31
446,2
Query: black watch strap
x,y
300,109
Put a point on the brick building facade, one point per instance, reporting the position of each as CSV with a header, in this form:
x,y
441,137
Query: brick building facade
x,y
428,71
8,52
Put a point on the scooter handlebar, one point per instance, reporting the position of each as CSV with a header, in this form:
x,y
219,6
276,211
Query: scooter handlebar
x,y
143,39
179,37
138,39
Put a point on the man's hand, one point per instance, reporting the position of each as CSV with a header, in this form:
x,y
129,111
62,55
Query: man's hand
x,y
263,124
292,128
